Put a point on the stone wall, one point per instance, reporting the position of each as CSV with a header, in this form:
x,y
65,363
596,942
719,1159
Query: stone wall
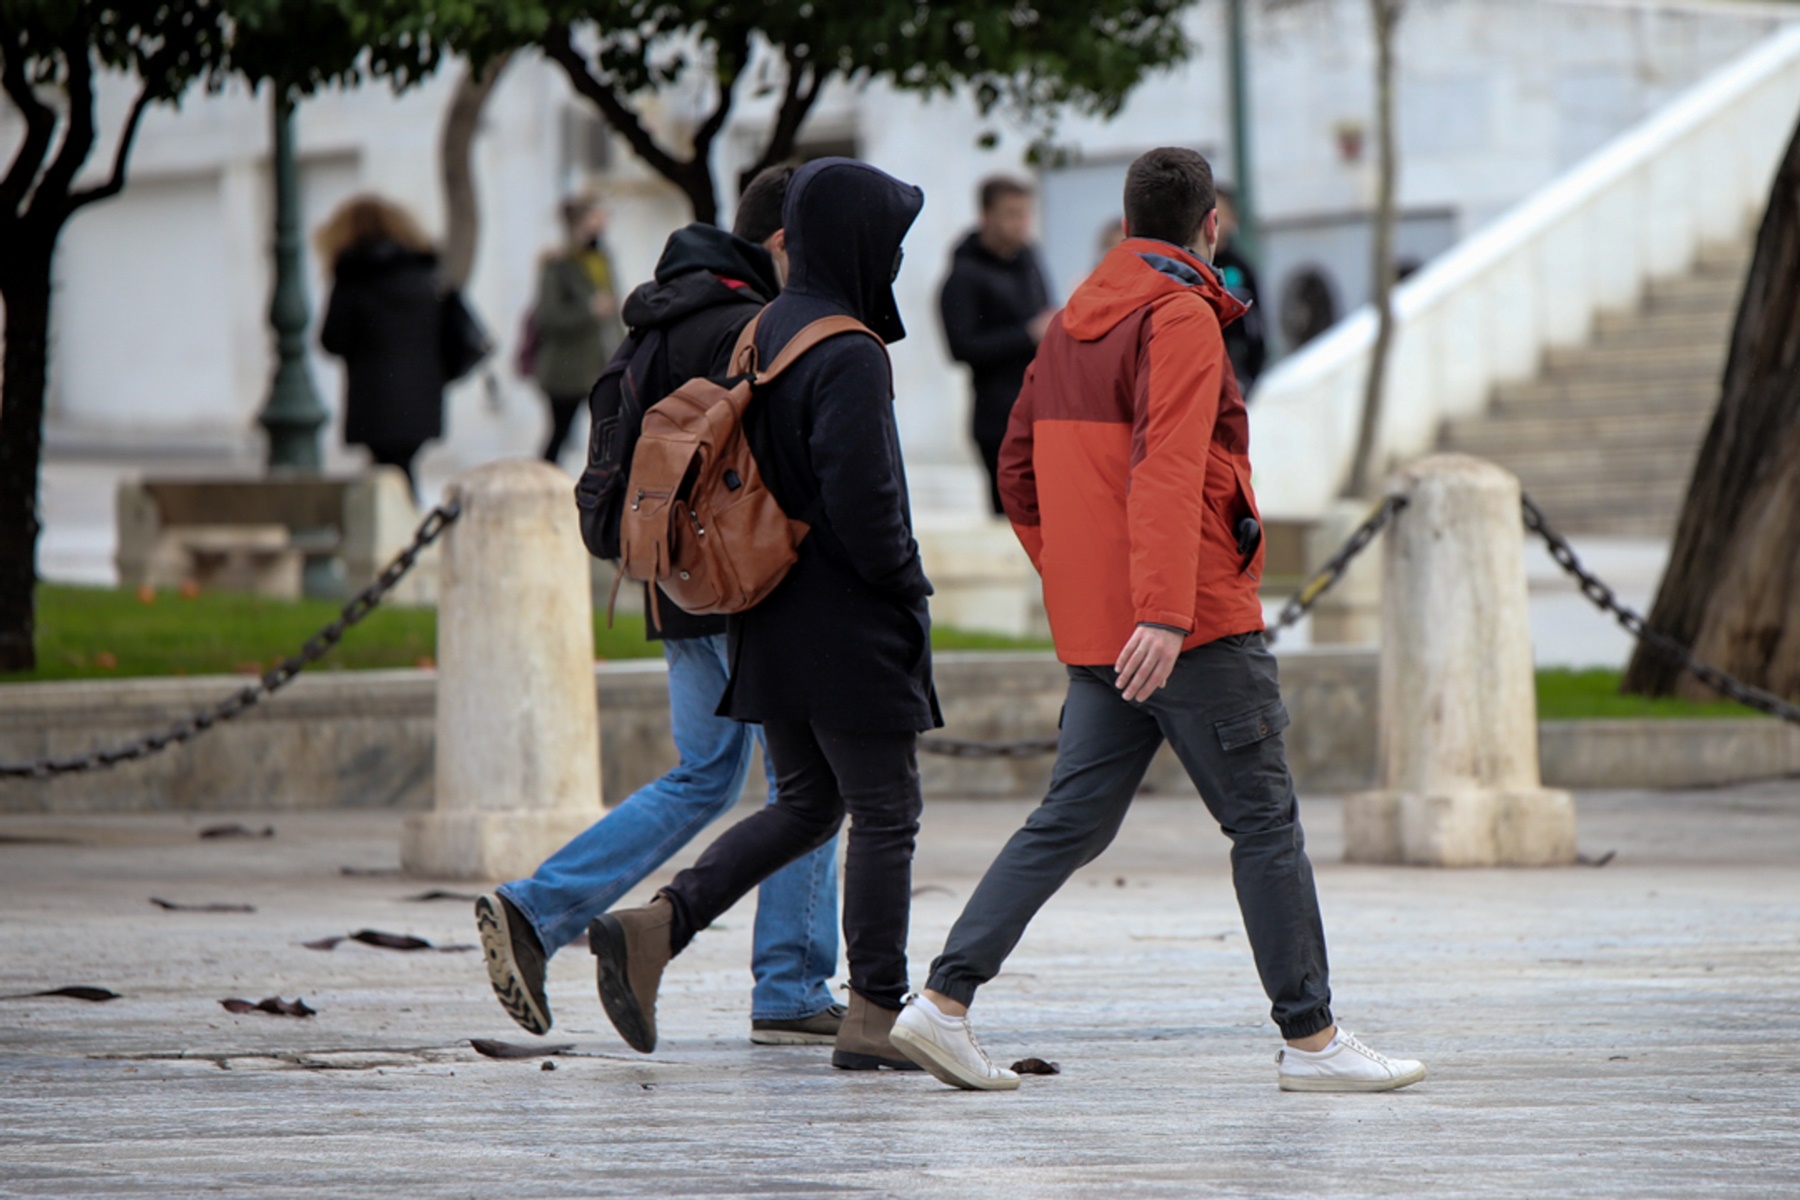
x,y
366,739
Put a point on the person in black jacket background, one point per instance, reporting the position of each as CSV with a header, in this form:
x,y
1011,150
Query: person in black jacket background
x,y
1246,339
382,319
836,662
708,285
995,307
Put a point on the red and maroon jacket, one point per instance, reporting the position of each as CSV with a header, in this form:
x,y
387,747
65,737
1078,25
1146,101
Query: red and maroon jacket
x,y
1126,466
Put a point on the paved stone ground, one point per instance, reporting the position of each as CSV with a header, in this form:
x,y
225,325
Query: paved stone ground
x,y
1624,1031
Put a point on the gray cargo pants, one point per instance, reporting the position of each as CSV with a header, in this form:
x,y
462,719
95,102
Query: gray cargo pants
x,y
1221,711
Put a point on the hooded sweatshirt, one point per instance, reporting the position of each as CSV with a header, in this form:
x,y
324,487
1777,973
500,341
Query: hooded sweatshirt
x,y
708,284
844,641
1126,466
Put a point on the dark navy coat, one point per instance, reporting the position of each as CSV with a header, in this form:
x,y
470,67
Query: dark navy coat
x,y
845,641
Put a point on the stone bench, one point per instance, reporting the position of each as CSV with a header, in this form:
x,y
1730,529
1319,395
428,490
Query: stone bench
x,y
343,530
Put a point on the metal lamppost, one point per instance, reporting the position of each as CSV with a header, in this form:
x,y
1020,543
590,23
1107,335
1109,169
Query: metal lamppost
x,y
1248,242
293,414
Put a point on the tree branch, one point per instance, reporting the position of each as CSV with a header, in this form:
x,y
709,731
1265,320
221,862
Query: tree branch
x,y
561,50
798,94
40,127
78,139
715,121
115,182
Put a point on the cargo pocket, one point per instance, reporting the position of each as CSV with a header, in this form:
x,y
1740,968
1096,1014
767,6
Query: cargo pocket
x,y
1255,763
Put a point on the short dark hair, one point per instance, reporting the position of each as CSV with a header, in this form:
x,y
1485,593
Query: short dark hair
x,y
1168,192
759,208
996,188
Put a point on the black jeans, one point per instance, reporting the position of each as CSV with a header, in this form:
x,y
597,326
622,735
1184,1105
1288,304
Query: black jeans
x,y
1221,710
820,775
562,418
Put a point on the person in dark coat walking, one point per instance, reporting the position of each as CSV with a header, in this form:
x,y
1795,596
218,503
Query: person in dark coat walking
x,y
1246,341
684,324
382,319
836,662
996,306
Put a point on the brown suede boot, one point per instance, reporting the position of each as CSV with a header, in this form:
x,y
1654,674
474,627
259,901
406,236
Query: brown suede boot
x,y
862,1040
632,946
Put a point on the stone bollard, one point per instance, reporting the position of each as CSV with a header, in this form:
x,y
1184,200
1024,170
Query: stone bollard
x,y
1459,750
518,729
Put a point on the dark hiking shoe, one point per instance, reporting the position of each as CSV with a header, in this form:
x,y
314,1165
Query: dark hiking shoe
x,y
820,1029
515,961
863,1043
631,947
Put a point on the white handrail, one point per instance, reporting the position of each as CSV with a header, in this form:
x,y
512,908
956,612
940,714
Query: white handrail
x,y
1639,208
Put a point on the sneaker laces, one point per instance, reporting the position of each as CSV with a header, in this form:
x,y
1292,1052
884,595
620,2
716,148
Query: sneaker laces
x,y
969,1031
1351,1043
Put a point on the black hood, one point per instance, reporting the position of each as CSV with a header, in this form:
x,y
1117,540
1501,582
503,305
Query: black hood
x,y
372,258
701,266
845,221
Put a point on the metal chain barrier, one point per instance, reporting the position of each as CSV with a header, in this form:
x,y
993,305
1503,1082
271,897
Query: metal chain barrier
x,y
234,705
1291,613
440,518
1334,568
1633,623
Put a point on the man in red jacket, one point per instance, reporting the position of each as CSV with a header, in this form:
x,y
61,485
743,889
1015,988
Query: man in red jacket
x,y
1126,474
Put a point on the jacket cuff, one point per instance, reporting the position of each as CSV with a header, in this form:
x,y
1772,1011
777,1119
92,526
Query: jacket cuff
x,y
1181,622
1160,625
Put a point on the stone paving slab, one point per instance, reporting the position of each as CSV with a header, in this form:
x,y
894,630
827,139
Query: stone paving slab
x,y
1590,1032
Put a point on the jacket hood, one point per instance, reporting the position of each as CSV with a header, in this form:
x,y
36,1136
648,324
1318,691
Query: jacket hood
x,y
701,267
845,221
1137,272
372,258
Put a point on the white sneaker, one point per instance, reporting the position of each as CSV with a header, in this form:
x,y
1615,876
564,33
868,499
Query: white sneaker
x,y
1346,1065
946,1047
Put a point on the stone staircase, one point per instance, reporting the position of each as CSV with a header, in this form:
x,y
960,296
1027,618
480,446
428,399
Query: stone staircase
x,y
1604,439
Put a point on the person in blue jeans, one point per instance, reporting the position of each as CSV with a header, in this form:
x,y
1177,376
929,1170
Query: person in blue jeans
x,y
708,285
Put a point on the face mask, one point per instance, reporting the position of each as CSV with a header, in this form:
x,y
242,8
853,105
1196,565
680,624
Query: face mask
x,y
899,257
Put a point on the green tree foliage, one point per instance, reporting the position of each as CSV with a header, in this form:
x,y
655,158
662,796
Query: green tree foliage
x,y
51,52
1025,62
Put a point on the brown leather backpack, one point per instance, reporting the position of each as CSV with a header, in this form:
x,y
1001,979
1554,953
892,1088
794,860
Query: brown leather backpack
x,y
697,520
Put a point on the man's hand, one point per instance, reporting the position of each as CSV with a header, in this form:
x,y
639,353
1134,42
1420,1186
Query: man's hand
x,y
1147,660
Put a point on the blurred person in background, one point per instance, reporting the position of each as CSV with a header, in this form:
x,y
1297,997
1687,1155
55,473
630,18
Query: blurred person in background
x,y
382,319
1111,234
996,306
1245,342
576,320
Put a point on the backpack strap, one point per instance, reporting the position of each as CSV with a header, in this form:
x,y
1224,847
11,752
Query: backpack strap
x,y
744,355
810,336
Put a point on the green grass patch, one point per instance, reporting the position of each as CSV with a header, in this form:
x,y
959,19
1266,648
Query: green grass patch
x,y
1567,695
109,633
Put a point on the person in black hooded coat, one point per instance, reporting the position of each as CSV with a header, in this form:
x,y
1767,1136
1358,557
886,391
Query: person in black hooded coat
x,y
836,662
382,319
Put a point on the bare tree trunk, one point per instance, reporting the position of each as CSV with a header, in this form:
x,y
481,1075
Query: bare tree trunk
x,y
1732,589
462,208
1386,15
25,289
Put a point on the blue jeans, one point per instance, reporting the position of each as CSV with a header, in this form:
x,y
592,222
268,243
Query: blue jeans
x,y
796,914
